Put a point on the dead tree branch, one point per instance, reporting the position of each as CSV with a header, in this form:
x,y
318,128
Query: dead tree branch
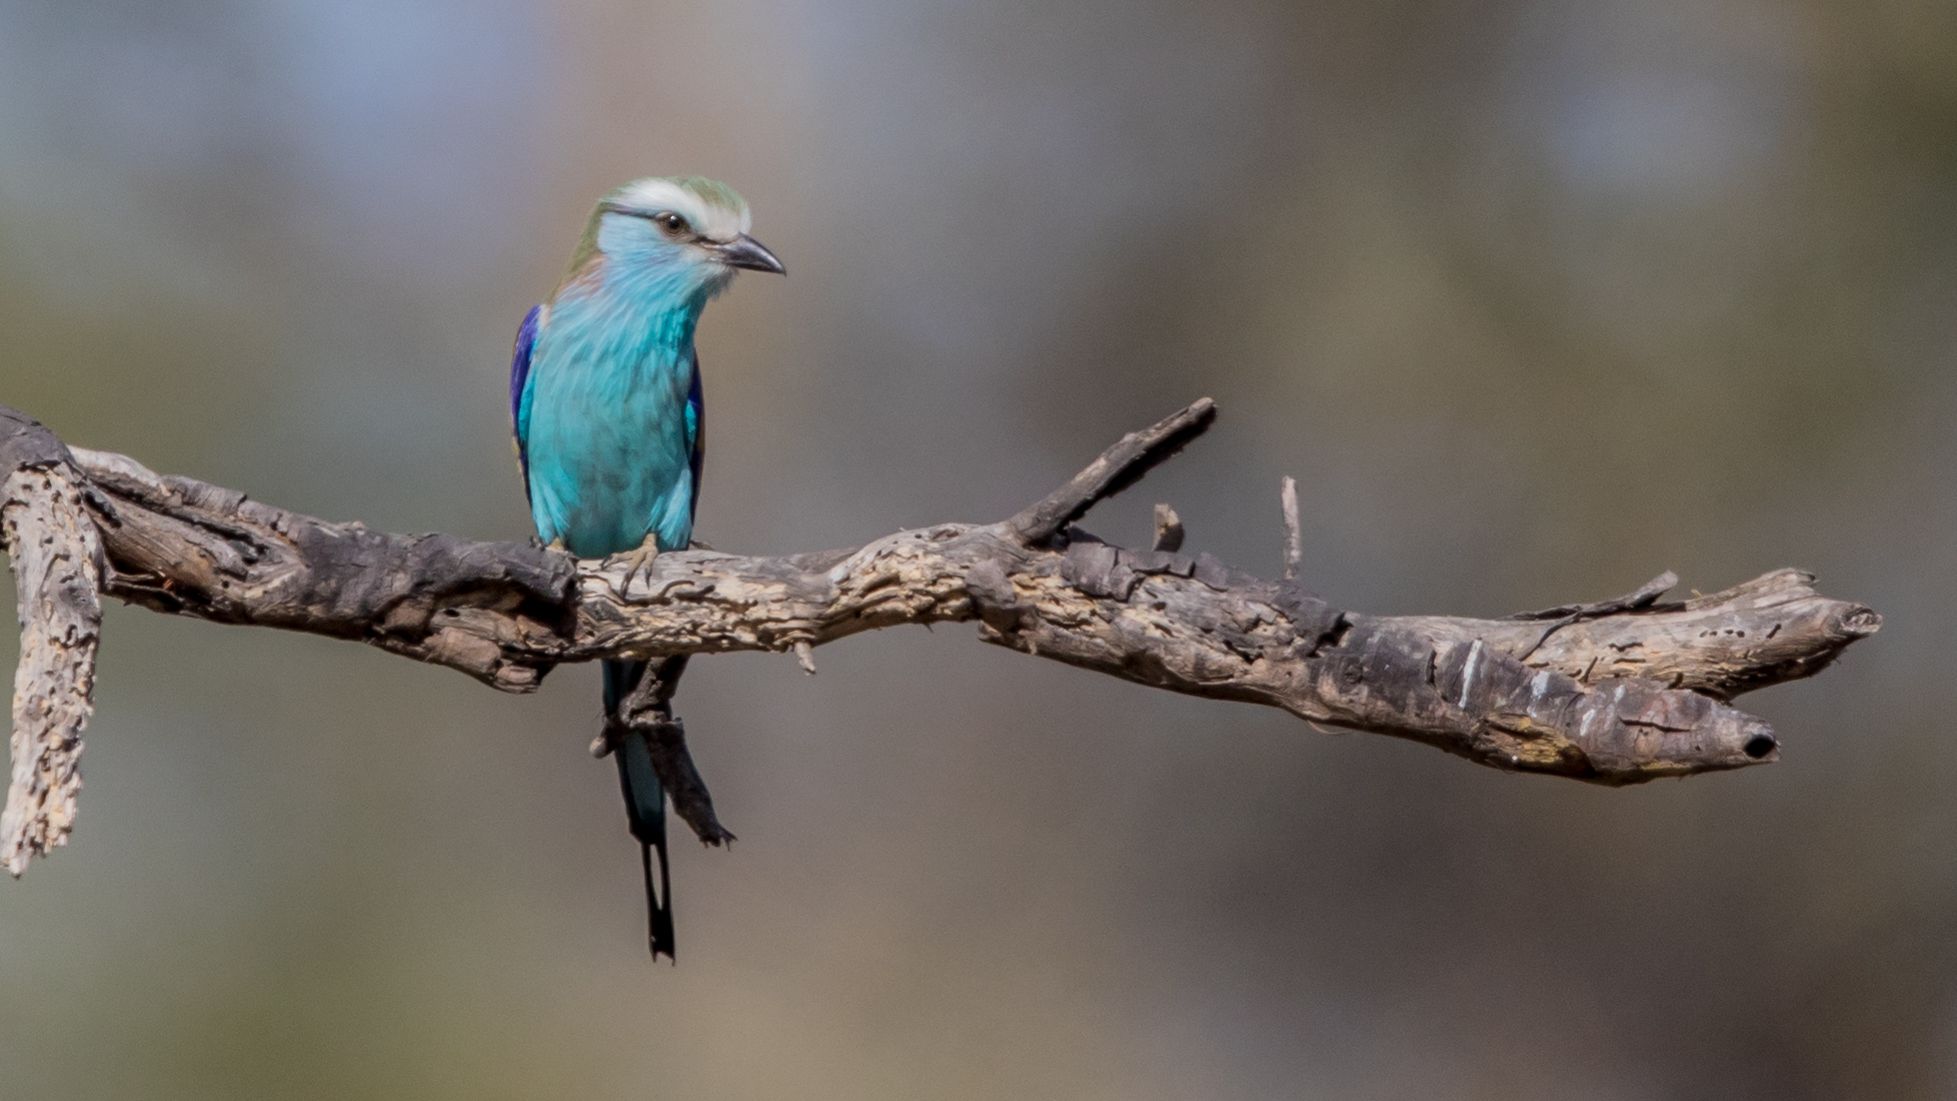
x,y
1614,692
57,559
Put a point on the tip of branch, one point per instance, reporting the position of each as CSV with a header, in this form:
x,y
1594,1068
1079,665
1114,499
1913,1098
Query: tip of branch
x,y
1294,541
1168,530
805,657
1861,622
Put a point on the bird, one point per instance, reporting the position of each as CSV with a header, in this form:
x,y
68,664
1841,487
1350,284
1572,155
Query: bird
x,y
606,402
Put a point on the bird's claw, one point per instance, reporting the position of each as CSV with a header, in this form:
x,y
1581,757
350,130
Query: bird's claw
x,y
638,563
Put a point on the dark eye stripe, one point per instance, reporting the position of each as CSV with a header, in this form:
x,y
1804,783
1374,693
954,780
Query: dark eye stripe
x,y
679,224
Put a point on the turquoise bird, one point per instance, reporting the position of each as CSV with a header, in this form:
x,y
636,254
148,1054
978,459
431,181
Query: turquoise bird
x,y
605,393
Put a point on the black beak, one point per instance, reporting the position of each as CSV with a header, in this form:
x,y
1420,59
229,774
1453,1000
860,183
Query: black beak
x,y
746,252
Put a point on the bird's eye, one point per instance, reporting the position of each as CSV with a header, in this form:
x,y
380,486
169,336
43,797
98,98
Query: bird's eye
x,y
672,223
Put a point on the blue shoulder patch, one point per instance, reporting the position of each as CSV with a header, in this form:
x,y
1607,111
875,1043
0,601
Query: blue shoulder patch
x,y
526,339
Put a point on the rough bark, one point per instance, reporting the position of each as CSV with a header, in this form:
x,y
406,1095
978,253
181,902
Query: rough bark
x,y
56,556
1613,692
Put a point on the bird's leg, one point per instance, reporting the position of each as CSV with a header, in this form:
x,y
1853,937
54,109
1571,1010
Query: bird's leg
x,y
638,561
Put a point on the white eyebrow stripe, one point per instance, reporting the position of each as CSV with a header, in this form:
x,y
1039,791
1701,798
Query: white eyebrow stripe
x,y
710,219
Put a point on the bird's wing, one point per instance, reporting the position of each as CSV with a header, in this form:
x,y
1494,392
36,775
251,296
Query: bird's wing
x,y
696,433
526,339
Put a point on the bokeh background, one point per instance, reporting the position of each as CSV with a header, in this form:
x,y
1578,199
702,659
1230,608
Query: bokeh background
x,y
1536,297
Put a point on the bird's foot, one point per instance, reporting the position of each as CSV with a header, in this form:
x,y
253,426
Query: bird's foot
x,y
638,562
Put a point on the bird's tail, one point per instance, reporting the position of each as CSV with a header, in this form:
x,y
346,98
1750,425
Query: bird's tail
x,y
645,799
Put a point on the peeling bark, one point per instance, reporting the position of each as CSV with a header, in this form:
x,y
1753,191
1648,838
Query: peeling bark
x,y
1612,692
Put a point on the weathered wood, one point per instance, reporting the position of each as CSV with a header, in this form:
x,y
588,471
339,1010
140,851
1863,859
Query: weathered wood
x,y
51,541
1168,529
1116,469
1294,539
1612,692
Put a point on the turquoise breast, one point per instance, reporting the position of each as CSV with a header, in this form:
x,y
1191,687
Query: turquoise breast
x,y
610,441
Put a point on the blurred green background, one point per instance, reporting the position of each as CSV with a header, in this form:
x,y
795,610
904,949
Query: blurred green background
x,y
1536,297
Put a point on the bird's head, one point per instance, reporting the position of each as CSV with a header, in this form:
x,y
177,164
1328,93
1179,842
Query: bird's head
x,y
681,230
